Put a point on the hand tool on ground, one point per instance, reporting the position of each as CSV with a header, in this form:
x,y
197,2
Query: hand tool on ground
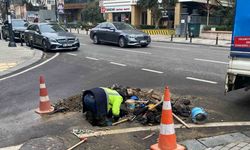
x,y
131,101
148,136
143,110
77,144
124,120
181,121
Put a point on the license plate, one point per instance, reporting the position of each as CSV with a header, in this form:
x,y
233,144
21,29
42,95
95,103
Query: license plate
x,y
143,41
67,45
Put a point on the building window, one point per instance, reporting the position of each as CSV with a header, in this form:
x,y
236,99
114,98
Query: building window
x,y
52,2
144,18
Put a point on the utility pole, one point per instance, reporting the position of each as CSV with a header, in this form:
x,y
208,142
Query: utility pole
x,y
11,36
56,11
208,12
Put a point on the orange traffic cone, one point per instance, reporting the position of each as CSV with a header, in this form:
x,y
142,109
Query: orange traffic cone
x,y
44,106
167,138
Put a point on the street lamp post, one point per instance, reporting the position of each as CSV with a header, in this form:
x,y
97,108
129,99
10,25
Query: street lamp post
x,y
11,36
56,11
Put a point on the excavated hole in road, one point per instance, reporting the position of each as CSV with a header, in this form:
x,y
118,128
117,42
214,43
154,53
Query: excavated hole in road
x,y
74,103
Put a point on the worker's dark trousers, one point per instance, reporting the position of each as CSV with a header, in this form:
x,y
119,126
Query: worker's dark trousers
x,y
91,112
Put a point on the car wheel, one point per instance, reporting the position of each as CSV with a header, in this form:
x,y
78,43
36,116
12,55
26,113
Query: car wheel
x,y
27,43
144,45
45,46
122,42
96,39
4,36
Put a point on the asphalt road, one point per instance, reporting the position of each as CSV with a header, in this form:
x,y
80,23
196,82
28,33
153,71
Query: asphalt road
x,y
190,70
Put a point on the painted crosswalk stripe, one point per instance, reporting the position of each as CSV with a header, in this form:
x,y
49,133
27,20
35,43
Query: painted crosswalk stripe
x,y
201,80
212,61
91,58
118,64
150,70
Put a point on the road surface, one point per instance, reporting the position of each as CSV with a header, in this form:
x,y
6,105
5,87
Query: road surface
x,y
187,69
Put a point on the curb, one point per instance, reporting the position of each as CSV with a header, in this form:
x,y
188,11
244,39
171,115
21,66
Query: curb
x,y
12,147
190,43
37,55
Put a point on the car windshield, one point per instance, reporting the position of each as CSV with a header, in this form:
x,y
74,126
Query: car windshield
x,y
123,26
19,23
51,28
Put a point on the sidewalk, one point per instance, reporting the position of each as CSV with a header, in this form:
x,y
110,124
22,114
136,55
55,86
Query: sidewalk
x,y
198,41
15,58
233,141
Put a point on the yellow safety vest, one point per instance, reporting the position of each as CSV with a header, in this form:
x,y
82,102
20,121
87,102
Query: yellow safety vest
x,y
114,101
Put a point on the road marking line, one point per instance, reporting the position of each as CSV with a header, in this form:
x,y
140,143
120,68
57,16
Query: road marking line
x,y
17,147
154,71
118,64
201,80
125,50
72,54
83,44
91,58
169,48
36,66
212,61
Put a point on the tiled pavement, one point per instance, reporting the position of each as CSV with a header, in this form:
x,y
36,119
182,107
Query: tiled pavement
x,y
232,141
199,41
14,58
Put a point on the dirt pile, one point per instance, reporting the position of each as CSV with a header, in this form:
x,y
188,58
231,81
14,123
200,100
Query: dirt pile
x,y
73,104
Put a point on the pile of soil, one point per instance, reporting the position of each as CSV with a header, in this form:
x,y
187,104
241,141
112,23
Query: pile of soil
x,y
72,104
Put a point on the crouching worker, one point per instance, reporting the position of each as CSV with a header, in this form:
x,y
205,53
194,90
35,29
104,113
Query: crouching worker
x,y
102,106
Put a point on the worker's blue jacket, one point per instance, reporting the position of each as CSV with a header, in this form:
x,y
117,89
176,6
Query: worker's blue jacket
x,y
103,100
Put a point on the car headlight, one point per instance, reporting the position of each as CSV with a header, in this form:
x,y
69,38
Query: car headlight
x,y
76,40
52,40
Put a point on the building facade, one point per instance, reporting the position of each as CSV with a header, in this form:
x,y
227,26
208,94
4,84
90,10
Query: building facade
x,y
198,7
125,10
129,11
73,9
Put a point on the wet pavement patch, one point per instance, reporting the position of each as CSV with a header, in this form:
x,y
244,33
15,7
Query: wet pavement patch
x,y
44,143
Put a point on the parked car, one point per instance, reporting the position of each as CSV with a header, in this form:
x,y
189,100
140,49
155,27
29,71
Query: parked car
x,y
119,33
18,26
50,36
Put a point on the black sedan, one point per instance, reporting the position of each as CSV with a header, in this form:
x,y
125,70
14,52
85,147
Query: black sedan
x,y
18,25
119,33
50,36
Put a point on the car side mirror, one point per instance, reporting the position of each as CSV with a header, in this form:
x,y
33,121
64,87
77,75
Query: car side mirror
x,y
37,31
112,29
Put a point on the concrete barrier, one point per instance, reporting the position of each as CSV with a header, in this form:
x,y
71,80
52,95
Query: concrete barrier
x,y
159,31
